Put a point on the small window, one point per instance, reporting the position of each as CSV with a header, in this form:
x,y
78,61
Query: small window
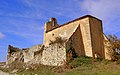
x,y
52,34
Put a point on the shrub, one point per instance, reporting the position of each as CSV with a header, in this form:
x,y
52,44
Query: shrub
x,y
114,47
70,53
82,60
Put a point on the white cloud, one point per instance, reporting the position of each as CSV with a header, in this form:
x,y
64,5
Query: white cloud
x,y
107,10
1,35
60,8
101,8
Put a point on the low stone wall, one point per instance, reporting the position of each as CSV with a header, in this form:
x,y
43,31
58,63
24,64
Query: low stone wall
x,y
30,53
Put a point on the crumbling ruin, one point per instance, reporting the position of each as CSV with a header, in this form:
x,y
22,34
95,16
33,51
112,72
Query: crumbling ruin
x,y
14,54
84,35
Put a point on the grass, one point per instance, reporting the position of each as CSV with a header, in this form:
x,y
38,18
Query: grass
x,y
88,66
79,66
39,70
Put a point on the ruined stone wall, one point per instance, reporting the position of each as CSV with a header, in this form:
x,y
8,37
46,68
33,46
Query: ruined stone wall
x,y
23,55
14,55
30,53
54,55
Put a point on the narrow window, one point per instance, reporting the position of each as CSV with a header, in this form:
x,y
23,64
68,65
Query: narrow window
x,y
53,23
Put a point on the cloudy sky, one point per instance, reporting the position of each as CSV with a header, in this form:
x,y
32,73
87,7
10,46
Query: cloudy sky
x,y
22,21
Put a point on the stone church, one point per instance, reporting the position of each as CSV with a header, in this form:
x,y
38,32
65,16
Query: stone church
x,y
84,35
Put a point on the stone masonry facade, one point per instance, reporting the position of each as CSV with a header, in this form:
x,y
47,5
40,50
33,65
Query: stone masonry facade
x,y
84,35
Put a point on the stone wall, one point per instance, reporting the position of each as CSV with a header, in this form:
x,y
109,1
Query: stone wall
x,y
106,45
64,31
54,55
51,24
22,55
30,53
97,39
14,55
76,42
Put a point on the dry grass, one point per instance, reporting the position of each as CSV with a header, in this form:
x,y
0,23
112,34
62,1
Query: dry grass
x,y
79,66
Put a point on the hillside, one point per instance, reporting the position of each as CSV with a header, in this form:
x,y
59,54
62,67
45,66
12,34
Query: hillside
x,y
78,66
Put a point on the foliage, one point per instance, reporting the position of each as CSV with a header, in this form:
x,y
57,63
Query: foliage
x,y
58,40
114,47
79,61
115,42
70,53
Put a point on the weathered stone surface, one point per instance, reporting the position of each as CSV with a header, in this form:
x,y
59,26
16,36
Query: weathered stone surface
x,y
12,49
14,54
106,45
30,53
54,55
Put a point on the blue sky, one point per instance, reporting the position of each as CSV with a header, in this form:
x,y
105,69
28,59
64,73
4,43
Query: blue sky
x,y
22,21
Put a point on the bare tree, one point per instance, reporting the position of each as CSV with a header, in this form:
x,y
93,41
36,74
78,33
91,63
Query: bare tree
x,y
114,47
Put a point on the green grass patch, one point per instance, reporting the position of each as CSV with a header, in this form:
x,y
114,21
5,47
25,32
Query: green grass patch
x,y
80,61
